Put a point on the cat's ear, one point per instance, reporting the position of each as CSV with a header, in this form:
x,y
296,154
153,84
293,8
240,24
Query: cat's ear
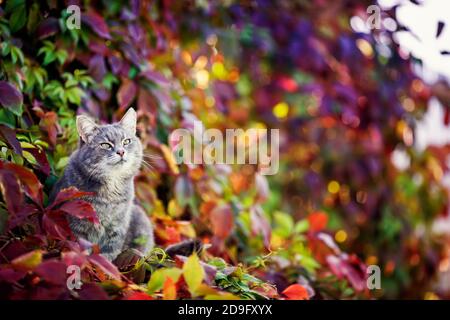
x,y
129,120
85,126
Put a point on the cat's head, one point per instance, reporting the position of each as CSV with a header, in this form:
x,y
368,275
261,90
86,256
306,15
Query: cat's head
x,y
112,149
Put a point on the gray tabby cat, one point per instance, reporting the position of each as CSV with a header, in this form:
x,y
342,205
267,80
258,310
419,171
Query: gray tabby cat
x,y
106,161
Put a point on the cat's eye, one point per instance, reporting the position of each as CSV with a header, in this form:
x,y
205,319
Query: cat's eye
x,y
105,146
126,141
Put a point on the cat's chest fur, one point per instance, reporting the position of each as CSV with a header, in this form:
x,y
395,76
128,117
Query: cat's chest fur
x,y
113,203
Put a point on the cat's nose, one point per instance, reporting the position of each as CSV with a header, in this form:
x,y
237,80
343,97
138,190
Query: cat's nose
x,y
120,152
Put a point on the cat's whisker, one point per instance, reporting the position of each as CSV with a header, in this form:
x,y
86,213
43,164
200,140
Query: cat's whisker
x,y
150,168
153,156
148,164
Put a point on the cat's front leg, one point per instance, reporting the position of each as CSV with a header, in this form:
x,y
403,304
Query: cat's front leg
x,y
112,244
140,231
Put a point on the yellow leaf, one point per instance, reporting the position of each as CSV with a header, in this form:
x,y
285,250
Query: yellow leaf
x,y
193,273
222,296
25,144
213,294
28,260
170,159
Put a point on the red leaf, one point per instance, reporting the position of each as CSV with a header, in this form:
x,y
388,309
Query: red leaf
x,y
11,275
10,137
222,221
353,271
41,158
19,217
74,258
10,191
106,266
138,295
147,104
10,97
92,291
30,183
53,272
317,221
296,292
56,225
126,93
80,209
69,194
96,23
49,123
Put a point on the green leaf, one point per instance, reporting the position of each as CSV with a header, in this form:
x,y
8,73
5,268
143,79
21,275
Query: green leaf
x,y
301,226
18,18
193,273
7,118
284,224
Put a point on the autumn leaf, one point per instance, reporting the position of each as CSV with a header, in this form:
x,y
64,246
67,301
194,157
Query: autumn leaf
x,y
69,194
28,261
169,289
96,23
81,210
105,265
158,277
29,181
10,190
126,94
170,159
296,292
317,221
11,98
193,273
138,295
10,137
222,221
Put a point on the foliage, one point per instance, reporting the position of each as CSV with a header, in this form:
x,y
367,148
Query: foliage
x,y
292,65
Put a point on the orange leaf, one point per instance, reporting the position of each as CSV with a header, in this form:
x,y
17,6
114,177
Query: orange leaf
x,y
317,221
169,289
222,221
296,292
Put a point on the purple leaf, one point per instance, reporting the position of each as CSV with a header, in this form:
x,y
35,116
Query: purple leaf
x,y
10,136
155,77
10,191
53,272
11,98
97,24
47,28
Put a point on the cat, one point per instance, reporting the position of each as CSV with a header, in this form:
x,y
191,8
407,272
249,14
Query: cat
x,y
106,161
